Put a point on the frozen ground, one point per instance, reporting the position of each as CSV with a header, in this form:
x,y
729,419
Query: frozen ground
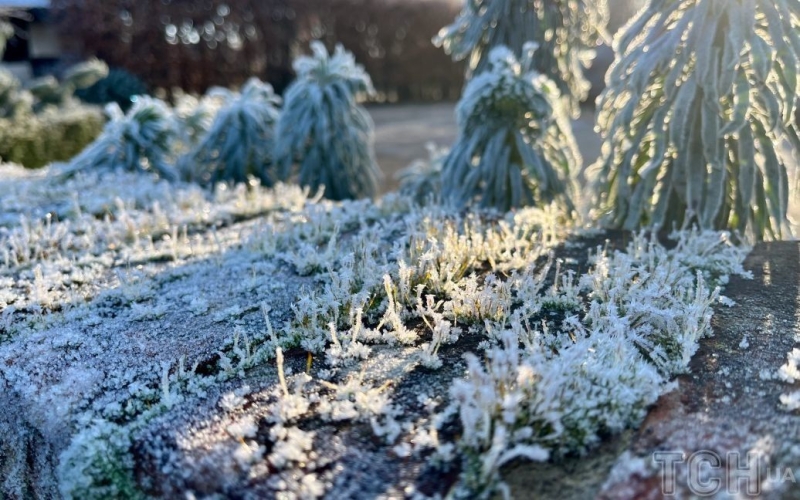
x,y
158,340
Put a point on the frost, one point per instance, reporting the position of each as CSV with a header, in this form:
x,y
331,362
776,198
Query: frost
x,y
790,372
175,333
239,144
566,34
140,140
694,95
791,401
323,128
291,445
745,343
515,145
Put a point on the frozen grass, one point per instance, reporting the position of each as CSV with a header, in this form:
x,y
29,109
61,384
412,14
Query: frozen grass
x,y
163,339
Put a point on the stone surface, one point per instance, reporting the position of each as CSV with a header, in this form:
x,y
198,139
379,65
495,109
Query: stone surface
x,y
729,403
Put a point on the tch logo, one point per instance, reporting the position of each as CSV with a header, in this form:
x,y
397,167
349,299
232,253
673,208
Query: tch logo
x,y
707,473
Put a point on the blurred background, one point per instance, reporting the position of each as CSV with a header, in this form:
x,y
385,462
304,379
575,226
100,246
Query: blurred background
x,y
164,47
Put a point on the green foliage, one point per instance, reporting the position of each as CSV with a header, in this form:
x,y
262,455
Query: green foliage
x,y
140,140
35,140
325,130
118,86
239,143
44,124
98,464
565,31
515,145
698,104
49,91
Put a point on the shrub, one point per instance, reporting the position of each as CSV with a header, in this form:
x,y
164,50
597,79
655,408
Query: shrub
x,y
119,86
514,147
44,124
14,101
195,115
54,135
49,91
698,103
325,130
565,31
422,180
239,143
140,140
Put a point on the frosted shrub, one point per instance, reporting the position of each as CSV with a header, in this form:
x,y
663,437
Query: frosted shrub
x,y
49,91
194,116
515,146
325,130
44,123
422,180
118,86
565,31
14,101
557,390
697,104
556,359
140,140
239,143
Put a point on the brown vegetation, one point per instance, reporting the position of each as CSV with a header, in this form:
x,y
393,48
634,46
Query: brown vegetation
x,y
194,45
